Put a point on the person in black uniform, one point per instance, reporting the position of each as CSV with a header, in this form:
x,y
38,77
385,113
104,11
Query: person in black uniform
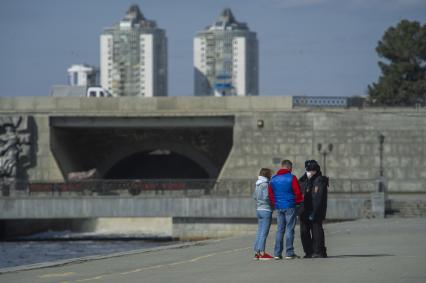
x,y
311,216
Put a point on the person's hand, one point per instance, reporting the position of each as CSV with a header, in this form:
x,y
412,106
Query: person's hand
x,y
311,217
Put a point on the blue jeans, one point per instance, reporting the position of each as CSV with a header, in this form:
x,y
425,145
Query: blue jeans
x,y
264,223
286,221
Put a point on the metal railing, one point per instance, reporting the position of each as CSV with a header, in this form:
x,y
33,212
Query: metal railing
x,y
162,187
147,187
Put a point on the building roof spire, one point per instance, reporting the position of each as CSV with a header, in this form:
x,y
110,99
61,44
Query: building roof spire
x,y
227,21
227,16
135,18
134,14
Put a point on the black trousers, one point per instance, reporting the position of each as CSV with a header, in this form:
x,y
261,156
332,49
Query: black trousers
x,y
306,236
312,236
318,239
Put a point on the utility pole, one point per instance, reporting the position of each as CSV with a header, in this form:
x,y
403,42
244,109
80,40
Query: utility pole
x,y
381,173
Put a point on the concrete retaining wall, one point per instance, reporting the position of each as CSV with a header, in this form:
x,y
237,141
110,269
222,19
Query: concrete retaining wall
x,y
285,133
60,208
354,135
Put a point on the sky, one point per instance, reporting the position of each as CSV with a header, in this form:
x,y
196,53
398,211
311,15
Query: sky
x,y
306,47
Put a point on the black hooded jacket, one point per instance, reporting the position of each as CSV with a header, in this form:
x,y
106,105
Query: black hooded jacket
x,y
315,192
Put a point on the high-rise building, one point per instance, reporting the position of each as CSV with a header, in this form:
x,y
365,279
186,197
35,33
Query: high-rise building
x,y
134,57
226,59
82,75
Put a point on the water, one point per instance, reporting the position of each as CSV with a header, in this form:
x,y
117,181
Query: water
x,y
42,248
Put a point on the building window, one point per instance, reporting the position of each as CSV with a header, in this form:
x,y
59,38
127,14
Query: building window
x,y
75,78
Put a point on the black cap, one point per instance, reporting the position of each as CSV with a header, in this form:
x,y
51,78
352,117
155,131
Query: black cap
x,y
312,165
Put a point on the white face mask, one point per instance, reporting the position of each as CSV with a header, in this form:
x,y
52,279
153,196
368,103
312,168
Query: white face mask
x,y
309,174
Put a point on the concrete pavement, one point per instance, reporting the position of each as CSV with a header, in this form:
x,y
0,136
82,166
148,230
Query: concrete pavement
x,y
389,250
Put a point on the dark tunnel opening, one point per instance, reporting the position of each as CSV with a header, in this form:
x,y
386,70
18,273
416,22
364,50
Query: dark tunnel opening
x,y
158,164
142,147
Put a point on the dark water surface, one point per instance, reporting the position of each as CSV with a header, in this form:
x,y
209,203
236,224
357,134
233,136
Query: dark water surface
x,y
42,249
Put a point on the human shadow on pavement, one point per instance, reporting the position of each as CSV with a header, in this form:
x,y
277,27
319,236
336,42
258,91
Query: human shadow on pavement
x,y
360,255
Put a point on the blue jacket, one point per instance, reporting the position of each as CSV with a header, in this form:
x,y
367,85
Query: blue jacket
x,y
284,190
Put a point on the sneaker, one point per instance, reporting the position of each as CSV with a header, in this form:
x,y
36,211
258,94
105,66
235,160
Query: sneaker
x,y
265,257
293,256
278,257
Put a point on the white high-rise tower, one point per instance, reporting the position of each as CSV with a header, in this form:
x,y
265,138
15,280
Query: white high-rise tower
x,y
226,59
134,57
83,75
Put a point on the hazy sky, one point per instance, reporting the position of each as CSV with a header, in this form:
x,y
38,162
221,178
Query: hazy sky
x,y
307,47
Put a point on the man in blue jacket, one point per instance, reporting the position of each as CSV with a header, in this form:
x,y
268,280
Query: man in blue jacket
x,y
285,194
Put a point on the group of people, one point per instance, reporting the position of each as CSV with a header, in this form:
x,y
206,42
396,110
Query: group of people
x,y
289,197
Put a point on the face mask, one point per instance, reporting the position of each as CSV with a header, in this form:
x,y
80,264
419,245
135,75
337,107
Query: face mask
x,y
309,174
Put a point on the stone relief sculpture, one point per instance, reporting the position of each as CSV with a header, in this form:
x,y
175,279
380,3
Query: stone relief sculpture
x,y
9,151
14,149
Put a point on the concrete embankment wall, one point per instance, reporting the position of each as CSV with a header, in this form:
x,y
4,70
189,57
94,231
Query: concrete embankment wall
x,y
266,130
354,136
63,208
186,218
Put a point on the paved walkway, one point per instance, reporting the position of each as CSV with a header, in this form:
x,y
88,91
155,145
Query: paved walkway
x,y
390,250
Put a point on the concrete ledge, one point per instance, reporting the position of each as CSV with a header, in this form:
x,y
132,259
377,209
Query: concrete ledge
x,y
54,208
124,105
139,105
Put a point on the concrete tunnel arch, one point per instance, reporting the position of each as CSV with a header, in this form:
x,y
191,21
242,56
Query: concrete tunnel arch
x,y
83,143
182,151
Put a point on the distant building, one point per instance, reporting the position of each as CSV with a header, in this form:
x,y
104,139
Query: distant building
x,y
83,75
134,57
226,59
